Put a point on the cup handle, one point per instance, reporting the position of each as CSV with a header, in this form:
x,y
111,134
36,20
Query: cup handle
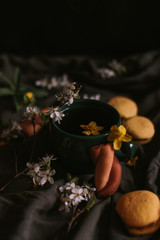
x,y
126,152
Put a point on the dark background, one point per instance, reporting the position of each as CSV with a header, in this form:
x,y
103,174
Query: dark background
x,y
80,27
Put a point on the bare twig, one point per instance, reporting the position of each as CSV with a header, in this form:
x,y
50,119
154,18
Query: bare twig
x,y
34,142
15,158
10,181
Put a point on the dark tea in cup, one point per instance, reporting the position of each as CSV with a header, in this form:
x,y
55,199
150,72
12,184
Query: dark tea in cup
x,y
76,117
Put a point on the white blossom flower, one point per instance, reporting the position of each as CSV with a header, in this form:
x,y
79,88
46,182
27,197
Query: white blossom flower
x,y
67,186
15,126
12,132
33,166
71,86
46,176
47,159
34,171
31,112
88,192
61,97
41,172
95,97
76,195
106,72
53,83
42,82
63,81
56,114
68,94
66,204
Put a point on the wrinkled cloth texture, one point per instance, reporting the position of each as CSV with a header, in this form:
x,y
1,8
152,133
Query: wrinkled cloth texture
x,y
32,214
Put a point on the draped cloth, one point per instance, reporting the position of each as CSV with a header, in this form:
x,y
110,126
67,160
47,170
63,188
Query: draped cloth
x,y
32,214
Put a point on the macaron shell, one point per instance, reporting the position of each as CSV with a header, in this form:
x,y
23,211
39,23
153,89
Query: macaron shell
x,y
125,106
145,230
139,128
139,208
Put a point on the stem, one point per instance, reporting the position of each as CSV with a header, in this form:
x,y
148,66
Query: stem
x,y
15,158
17,175
34,131
34,141
74,217
17,104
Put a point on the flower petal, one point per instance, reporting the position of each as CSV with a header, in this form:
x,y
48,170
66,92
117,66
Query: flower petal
x,y
99,128
122,129
92,124
72,196
50,180
87,133
111,137
95,132
114,127
43,181
126,138
117,144
85,127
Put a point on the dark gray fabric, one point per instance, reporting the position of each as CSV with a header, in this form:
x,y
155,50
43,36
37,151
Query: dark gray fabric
x,y
33,214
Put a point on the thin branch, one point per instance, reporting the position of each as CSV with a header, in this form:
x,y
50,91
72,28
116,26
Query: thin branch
x,y
34,142
15,158
19,174
74,219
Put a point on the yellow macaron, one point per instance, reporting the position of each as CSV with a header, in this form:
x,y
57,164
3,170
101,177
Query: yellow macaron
x,y
140,211
125,106
140,128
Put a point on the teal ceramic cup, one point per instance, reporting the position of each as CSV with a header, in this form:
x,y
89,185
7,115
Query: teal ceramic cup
x,y
71,147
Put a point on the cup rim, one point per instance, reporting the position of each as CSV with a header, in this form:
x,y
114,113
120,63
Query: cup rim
x,y
84,136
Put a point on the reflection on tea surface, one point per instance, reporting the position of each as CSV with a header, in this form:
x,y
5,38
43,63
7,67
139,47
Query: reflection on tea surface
x,y
84,115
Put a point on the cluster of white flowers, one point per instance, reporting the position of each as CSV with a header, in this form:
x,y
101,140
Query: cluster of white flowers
x,y
73,194
55,113
95,97
12,132
41,172
106,73
53,82
68,94
31,112
114,68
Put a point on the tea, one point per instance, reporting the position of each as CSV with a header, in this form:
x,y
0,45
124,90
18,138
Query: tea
x,y
83,116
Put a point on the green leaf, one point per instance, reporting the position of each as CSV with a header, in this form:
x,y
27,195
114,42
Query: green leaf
x,y
75,180
32,102
26,99
17,103
40,93
69,177
7,80
91,203
17,78
44,118
6,92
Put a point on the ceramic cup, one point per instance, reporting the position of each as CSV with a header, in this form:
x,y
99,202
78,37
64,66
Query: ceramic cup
x,y
72,149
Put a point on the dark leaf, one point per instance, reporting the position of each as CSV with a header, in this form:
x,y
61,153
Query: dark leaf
x,y
7,80
17,78
6,92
